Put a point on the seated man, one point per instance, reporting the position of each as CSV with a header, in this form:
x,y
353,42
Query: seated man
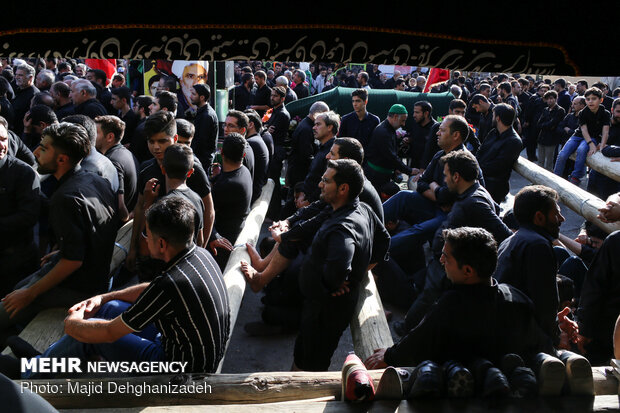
x,y
469,320
83,218
188,303
527,260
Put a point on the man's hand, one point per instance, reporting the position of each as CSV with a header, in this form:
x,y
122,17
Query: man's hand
x,y
17,300
377,360
271,129
276,233
151,192
220,243
610,212
47,257
27,123
614,159
77,312
281,226
592,149
344,288
89,306
567,325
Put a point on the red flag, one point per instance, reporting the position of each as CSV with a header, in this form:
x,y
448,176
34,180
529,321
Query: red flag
x,y
107,65
436,76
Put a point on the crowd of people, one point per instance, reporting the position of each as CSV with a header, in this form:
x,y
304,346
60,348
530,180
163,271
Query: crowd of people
x,y
82,154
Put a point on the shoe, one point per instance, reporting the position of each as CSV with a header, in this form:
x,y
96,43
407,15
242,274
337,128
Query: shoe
x,y
551,374
489,380
428,380
9,366
21,348
357,384
390,386
459,380
578,374
407,377
522,379
574,180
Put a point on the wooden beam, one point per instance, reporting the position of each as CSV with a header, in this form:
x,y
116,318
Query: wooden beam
x,y
369,327
235,282
121,246
580,201
602,164
215,389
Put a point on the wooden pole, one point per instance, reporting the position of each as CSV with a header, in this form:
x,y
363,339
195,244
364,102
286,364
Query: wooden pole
x,y
235,282
580,201
369,327
601,163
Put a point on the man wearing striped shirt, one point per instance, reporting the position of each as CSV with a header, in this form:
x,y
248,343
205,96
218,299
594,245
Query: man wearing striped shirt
x,y
182,315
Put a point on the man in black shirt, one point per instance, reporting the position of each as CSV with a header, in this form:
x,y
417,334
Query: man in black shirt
x,y
360,123
527,260
110,130
63,106
138,145
290,95
348,242
300,89
563,97
121,101
499,152
232,192
37,118
204,143
533,112
161,130
100,79
84,222
19,210
240,97
83,95
261,99
469,320
24,80
261,153
237,122
17,147
181,316
420,134
277,126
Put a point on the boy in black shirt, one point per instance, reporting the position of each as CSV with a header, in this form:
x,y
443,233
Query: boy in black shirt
x,y
594,121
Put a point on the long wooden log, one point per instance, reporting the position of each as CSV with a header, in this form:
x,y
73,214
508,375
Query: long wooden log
x,y
602,164
530,405
235,282
209,389
580,201
121,246
369,328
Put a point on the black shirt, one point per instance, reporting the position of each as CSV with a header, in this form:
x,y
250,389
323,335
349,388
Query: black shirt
x,y
262,97
127,167
131,122
290,96
486,123
248,159
526,261
496,157
64,111
301,91
21,105
6,111
564,100
419,136
317,169
280,119
303,148
139,145
204,143
196,202
84,221
352,127
91,108
261,165
18,149
594,122
548,124
20,202
232,192
470,321
241,97
189,305
268,139
102,166
197,182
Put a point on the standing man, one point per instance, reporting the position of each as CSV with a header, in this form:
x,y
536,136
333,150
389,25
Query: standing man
x,y
83,218
499,152
362,79
63,106
241,96
261,153
420,134
277,126
24,80
381,157
300,89
121,102
360,123
204,143
563,97
347,243
484,107
83,95
262,96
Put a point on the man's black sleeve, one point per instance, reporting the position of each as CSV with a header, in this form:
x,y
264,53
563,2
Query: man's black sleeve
x,y
18,149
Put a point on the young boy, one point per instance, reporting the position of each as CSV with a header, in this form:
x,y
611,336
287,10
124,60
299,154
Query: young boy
x,y
549,138
594,121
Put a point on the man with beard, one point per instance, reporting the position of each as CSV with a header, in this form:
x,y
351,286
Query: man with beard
x,y
84,222
24,80
527,261
204,143
484,107
121,102
262,96
420,132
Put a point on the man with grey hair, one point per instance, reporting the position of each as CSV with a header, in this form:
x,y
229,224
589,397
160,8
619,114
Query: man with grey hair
x,y
456,91
300,89
303,147
325,129
290,95
24,80
84,97
44,80
420,84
